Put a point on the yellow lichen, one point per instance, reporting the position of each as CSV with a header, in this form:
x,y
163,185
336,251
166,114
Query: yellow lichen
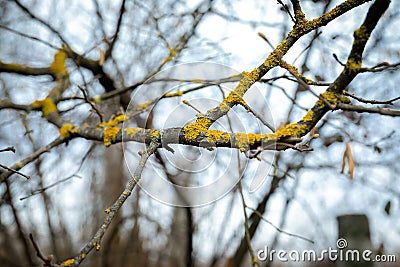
x,y
198,80
320,104
111,131
132,131
299,29
66,130
269,137
144,105
83,255
253,76
167,59
242,141
247,80
58,64
223,107
154,133
193,130
97,99
308,116
47,106
252,138
114,122
300,17
178,93
361,35
334,98
11,66
293,129
214,136
304,26
287,66
274,58
352,65
96,246
172,51
232,98
69,262
110,135
226,137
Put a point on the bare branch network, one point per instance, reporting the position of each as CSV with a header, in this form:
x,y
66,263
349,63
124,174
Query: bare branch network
x,y
108,128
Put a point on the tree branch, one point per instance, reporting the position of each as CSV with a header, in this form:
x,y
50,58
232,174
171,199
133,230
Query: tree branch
x,y
300,29
14,171
19,165
361,109
117,30
367,101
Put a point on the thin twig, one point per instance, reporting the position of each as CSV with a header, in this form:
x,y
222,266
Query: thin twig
x,y
29,37
265,39
298,13
337,60
246,227
41,190
307,87
190,105
361,109
15,171
380,67
112,211
33,16
367,101
32,157
46,261
10,148
117,30
276,167
279,229
286,8
91,103
282,145
258,116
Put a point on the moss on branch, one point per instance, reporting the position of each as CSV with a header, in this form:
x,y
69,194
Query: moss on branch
x,y
46,105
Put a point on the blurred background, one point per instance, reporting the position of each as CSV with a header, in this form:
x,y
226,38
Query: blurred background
x,y
302,195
